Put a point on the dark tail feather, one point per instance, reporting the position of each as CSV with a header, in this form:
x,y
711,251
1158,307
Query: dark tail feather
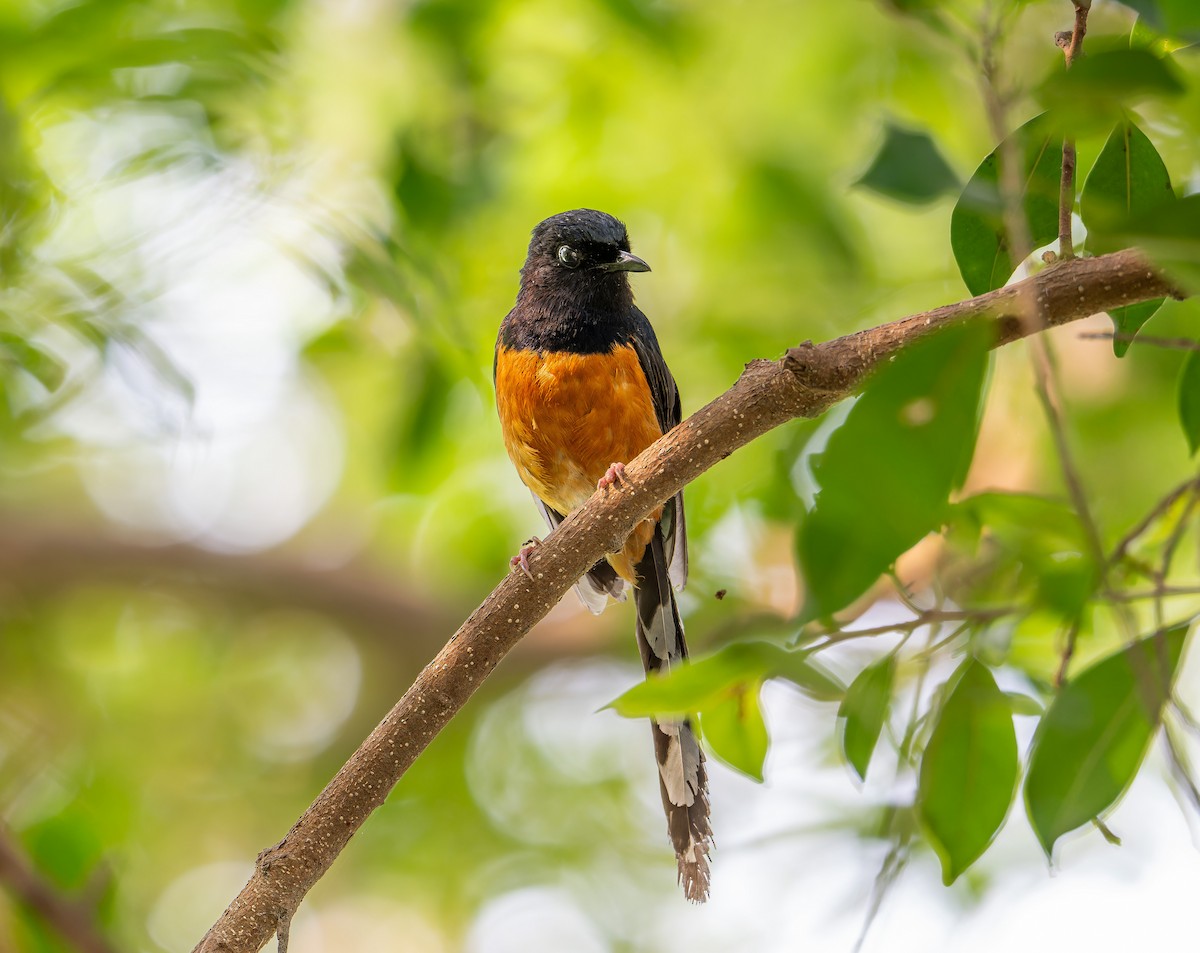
x,y
683,781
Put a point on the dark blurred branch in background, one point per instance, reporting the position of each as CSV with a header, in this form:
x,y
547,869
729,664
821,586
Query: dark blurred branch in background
x,y
70,917
806,382
39,560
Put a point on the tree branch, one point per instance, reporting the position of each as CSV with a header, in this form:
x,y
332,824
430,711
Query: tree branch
x,y
40,559
806,382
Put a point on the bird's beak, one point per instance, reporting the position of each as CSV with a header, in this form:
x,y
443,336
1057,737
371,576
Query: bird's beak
x,y
626,261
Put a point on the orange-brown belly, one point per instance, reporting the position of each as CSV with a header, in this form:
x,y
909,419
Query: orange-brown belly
x,y
565,417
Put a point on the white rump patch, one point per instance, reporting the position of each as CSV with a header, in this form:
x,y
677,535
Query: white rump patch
x,y
680,770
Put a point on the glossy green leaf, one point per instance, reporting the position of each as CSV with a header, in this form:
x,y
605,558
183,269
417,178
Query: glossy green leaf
x,y
1022,704
700,684
887,472
735,731
864,710
969,770
1169,234
1097,88
1088,747
1180,18
909,168
1189,400
1023,523
1128,320
1041,538
808,675
1128,178
978,236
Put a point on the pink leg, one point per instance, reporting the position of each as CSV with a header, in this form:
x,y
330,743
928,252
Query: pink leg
x,y
614,475
521,560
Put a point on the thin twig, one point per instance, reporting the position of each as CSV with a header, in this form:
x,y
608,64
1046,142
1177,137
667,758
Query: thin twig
x,y
1174,344
1191,485
1181,766
1158,592
283,932
923,618
941,643
1068,652
1066,190
1047,391
1189,720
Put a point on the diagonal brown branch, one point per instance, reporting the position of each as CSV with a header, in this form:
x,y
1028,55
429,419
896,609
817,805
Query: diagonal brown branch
x,y
806,382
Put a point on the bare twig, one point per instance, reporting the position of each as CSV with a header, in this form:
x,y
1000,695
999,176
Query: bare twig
x,y
1068,653
805,382
1176,344
1156,513
1181,766
923,617
1047,392
1071,44
1158,592
67,916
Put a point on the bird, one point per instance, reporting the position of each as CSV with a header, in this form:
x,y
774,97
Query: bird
x,y
581,389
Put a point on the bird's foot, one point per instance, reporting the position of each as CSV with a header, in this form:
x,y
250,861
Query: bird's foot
x,y
521,560
614,475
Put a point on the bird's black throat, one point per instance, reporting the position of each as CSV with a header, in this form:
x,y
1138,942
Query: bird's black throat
x,y
585,312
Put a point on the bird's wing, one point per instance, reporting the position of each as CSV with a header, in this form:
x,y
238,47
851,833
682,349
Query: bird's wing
x,y
669,410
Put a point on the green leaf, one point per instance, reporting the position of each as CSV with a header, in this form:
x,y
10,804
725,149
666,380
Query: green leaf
x,y
887,472
735,731
1169,234
968,771
1043,537
700,684
47,368
1128,320
1098,87
1022,704
1189,400
1128,178
1023,523
1179,18
863,711
978,236
909,168
1092,740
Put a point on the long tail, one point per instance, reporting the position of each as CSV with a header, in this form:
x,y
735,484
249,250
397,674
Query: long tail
x,y
682,778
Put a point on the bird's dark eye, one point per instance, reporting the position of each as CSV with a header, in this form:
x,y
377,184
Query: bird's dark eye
x,y
568,256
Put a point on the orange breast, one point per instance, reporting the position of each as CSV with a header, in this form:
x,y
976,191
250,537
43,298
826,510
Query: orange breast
x,y
565,417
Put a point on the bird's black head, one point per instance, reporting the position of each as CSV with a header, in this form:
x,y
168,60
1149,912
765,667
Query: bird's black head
x,y
583,250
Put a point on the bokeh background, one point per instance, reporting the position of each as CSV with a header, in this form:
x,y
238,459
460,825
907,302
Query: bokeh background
x,y
253,254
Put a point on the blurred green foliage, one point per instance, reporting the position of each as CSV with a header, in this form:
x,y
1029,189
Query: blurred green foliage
x,y
253,254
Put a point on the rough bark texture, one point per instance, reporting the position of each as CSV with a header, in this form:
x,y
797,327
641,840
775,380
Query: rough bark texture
x,y
804,383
